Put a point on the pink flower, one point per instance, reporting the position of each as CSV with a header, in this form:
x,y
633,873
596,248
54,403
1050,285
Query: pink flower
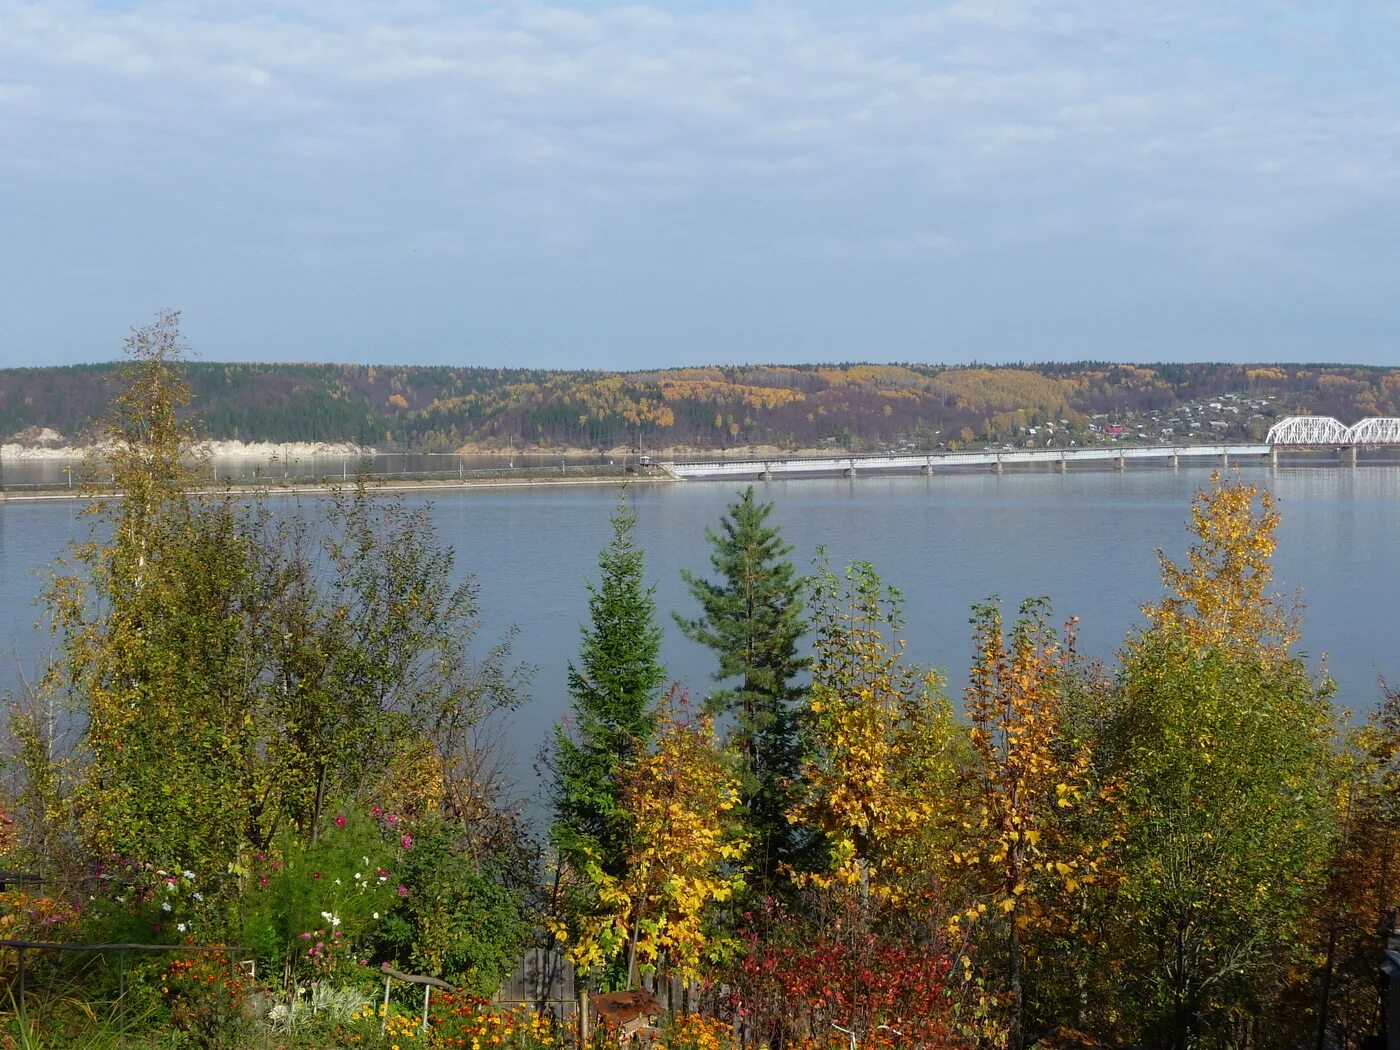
x,y
377,809
403,891
306,936
391,820
406,842
340,820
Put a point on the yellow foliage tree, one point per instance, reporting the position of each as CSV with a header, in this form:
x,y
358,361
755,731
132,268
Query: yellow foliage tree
x,y
1024,856
684,857
881,738
1222,747
1220,597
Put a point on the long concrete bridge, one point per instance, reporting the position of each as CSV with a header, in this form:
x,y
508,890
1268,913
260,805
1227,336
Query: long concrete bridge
x,y
929,462
1295,432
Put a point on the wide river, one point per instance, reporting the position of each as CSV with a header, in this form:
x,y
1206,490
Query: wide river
x,y
1086,539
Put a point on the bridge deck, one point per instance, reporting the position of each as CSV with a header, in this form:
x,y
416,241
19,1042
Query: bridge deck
x,y
840,464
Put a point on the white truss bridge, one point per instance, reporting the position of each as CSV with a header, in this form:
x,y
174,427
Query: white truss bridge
x,y
1326,432
1301,432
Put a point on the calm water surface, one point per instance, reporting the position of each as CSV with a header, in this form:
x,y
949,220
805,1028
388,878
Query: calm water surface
x,y
1085,539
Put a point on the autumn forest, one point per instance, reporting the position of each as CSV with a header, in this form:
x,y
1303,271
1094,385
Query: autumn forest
x,y
855,406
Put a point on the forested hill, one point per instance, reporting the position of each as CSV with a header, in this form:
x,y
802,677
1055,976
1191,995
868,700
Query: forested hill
x,y
857,406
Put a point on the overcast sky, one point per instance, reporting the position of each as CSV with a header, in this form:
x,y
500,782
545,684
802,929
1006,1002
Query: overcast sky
x,y
658,184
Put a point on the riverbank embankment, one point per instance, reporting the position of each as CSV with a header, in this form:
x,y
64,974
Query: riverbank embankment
x,y
521,477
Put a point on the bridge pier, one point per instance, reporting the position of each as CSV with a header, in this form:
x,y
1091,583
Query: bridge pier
x,y
850,471
1174,460
1349,456
1119,463
926,469
1224,459
767,474
1062,465
1273,457
996,467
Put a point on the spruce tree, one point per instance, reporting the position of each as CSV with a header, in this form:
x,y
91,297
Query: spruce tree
x,y
614,684
753,619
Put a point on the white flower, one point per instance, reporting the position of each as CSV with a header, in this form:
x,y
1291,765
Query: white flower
x,y
327,916
187,874
357,876
164,905
376,915
198,896
337,882
335,920
181,927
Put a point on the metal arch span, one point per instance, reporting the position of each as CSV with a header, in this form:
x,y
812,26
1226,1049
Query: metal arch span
x,y
1377,431
1308,430
1324,430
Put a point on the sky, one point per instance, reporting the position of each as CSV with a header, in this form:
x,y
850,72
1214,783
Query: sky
x,y
651,184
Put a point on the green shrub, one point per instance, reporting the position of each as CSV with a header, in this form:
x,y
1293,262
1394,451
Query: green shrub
x,y
456,922
310,909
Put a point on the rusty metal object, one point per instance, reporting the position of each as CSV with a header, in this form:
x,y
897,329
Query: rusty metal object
x,y
629,1012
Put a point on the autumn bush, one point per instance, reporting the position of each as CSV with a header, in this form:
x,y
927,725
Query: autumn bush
x,y
827,974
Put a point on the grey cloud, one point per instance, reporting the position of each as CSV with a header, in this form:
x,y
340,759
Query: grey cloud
x,y
884,149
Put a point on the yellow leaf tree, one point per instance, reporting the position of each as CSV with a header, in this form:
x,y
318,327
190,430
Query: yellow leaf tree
x,y
881,742
1222,745
684,858
1220,596
1028,778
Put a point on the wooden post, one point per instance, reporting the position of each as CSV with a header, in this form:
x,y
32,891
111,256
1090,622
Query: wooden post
x,y
582,1017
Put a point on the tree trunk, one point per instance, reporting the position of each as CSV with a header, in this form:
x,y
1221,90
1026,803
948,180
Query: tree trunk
x,y
1016,1039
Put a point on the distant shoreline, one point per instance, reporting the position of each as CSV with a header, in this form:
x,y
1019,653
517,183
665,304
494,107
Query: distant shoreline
x,y
313,487
300,450
264,450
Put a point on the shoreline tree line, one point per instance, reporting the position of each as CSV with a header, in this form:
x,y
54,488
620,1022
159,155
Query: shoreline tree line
x,y
850,406
285,740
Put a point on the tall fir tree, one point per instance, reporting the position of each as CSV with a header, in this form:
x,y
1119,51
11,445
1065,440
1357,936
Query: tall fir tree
x,y
753,620
615,685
